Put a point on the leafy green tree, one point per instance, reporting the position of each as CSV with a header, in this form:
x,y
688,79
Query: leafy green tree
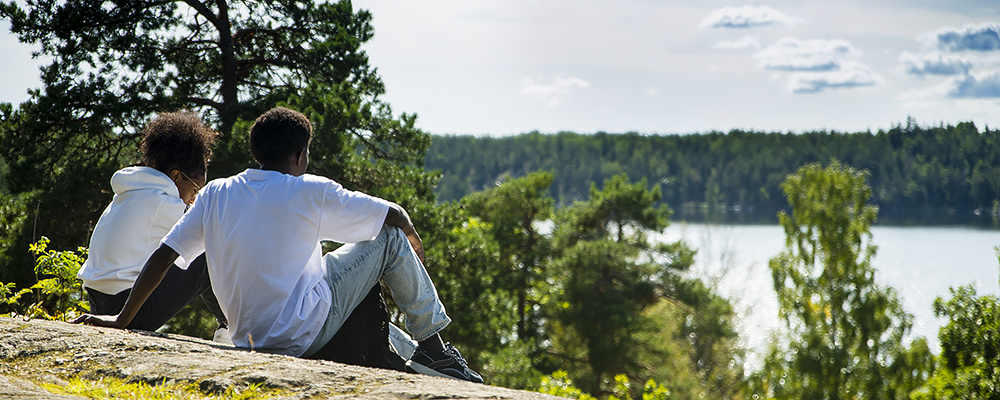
x,y
969,364
115,64
846,333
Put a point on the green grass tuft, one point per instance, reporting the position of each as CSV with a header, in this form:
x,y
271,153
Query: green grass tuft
x,y
114,388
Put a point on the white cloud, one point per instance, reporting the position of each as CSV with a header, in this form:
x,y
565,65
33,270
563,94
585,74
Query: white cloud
x,y
934,64
746,17
745,43
976,86
552,91
792,54
848,75
651,92
984,37
815,65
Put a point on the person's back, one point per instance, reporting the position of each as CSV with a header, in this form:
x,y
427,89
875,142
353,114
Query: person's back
x,y
262,232
146,205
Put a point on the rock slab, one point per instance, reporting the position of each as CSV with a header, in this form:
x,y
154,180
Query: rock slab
x,y
49,351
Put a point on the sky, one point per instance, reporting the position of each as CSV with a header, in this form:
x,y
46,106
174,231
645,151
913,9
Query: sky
x,y
492,67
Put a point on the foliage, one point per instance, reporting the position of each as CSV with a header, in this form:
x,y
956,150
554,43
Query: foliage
x,y
58,294
969,364
614,294
524,307
559,384
358,143
846,334
512,209
913,168
463,264
15,211
513,365
602,303
490,266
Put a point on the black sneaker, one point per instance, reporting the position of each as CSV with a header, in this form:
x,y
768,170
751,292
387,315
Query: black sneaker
x,y
446,364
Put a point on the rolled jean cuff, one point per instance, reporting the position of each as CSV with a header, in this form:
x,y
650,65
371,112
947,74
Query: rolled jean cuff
x,y
432,330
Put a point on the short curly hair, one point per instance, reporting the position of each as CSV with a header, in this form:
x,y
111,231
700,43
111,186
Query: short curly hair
x,y
278,134
177,140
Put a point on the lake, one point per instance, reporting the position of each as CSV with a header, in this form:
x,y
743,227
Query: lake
x,y
921,263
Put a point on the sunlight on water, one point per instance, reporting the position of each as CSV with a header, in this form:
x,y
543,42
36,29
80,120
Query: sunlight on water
x,y
921,263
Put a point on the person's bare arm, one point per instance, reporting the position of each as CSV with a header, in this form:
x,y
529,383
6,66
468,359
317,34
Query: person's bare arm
x,y
150,276
398,217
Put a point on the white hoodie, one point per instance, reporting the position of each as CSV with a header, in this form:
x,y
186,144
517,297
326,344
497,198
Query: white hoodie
x,y
146,205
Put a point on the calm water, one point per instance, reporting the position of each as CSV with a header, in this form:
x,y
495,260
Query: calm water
x,y
921,263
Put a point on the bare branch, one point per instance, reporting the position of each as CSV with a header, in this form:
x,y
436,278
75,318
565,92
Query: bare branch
x,y
204,11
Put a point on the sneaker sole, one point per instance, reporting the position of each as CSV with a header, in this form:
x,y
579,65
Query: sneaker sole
x,y
424,370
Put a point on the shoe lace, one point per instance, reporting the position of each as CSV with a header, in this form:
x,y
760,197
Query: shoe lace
x,y
448,348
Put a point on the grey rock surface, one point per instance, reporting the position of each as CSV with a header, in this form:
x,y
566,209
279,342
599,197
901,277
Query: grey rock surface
x,y
50,351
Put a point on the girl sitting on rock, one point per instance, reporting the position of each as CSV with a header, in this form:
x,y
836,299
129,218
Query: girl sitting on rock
x,y
149,199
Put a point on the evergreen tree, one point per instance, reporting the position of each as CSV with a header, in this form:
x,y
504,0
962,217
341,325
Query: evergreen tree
x,y
619,300
513,209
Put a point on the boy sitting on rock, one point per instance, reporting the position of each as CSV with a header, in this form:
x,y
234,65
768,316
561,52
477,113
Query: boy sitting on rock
x,y
261,232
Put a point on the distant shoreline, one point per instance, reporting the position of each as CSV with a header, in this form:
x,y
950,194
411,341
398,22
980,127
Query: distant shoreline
x,y
922,217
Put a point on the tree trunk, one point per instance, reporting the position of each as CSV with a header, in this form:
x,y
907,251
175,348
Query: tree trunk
x,y
229,88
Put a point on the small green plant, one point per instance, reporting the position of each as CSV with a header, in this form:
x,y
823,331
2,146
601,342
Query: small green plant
x,y
58,294
559,384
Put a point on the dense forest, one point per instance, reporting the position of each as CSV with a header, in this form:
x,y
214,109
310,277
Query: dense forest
x,y
915,171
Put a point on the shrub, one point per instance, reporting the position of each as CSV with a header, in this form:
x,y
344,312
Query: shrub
x,y
58,294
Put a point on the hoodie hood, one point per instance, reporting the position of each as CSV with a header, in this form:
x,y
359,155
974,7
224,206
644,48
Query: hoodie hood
x,y
139,178
145,207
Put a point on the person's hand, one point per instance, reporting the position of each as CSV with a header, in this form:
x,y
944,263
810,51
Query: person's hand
x,y
417,244
110,321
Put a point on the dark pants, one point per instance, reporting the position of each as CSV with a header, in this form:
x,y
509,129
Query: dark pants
x,y
177,289
364,337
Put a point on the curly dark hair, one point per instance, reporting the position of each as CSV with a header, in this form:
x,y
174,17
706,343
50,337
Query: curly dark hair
x,y
278,134
177,140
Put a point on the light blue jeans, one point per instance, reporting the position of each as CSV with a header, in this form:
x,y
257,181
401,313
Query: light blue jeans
x,y
353,269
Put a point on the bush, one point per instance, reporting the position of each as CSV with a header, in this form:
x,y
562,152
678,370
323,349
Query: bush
x,y
559,384
58,294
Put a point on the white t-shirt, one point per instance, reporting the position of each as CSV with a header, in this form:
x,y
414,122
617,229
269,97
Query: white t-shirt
x,y
146,205
261,232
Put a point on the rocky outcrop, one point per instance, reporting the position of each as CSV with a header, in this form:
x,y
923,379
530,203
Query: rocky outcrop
x,y
37,351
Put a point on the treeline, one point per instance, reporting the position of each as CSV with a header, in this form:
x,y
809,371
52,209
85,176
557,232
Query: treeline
x,y
914,169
